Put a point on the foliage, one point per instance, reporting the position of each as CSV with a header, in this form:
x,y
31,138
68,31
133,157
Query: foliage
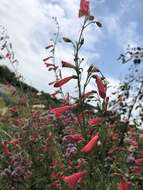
x,y
130,92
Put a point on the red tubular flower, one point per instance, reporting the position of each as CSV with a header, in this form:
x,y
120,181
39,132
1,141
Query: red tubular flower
x,y
101,87
139,161
59,111
95,121
5,149
68,65
91,144
123,185
84,8
75,137
137,169
61,82
73,179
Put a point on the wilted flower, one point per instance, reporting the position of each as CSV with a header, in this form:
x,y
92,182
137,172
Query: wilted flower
x,y
68,65
49,46
47,58
87,94
49,64
93,69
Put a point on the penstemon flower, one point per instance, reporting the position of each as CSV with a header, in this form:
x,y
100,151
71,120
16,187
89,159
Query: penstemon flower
x,y
101,87
91,144
123,185
63,81
60,110
95,121
5,149
68,65
139,161
73,179
75,137
84,8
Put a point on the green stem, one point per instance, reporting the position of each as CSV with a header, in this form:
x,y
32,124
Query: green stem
x,y
54,48
77,64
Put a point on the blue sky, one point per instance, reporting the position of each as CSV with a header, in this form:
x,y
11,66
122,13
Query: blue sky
x,y
123,25
30,27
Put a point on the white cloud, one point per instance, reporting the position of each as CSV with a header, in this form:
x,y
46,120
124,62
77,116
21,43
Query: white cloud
x,y
30,28
22,19
123,30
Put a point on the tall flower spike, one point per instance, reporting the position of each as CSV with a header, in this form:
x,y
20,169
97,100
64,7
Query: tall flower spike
x,y
73,179
84,8
101,87
63,81
91,144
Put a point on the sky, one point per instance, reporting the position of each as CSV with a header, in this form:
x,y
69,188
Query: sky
x,y
30,26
